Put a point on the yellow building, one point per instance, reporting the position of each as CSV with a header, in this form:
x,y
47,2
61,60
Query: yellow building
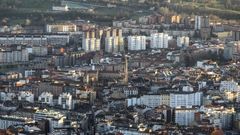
x,y
55,28
175,19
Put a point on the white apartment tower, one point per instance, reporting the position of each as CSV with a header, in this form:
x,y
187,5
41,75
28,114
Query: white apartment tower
x,y
183,41
114,41
197,22
159,40
184,116
12,56
91,41
136,43
66,101
46,98
113,44
201,22
185,99
112,38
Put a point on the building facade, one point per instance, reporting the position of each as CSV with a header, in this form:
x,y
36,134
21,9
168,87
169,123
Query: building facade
x,y
26,96
136,43
185,116
48,39
201,22
185,99
55,28
66,101
46,98
183,41
13,55
159,40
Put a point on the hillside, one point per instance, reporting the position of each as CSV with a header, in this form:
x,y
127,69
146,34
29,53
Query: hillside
x,y
29,4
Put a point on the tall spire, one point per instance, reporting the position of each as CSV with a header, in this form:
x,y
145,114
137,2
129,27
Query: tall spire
x,y
126,70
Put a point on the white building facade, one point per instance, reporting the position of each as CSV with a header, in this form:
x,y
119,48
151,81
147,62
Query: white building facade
x,y
151,100
26,96
91,44
198,20
46,98
14,56
185,116
114,44
56,119
6,121
229,86
136,43
55,28
185,99
159,40
183,41
66,101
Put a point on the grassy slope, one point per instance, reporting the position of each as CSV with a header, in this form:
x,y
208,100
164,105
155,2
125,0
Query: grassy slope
x,y
30,4
214,5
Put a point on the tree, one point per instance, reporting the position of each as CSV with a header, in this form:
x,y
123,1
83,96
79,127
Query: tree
x,y
164,10
28,22
228,3
5,21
